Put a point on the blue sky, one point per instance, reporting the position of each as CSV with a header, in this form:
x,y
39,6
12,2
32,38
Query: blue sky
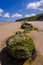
x,y
10,10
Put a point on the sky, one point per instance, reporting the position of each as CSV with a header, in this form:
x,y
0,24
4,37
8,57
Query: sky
x,y
11,10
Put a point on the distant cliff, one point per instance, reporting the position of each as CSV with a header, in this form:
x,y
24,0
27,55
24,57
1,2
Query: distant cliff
x,y
33,18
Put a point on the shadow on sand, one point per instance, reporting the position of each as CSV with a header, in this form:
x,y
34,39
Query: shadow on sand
x,y
6,59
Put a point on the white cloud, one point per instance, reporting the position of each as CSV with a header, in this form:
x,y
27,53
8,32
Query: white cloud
x,y
41,9
36,5
1,11
0,14
17,15
29,15
6,15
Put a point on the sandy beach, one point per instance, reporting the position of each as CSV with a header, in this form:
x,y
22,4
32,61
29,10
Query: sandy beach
x,y
9,28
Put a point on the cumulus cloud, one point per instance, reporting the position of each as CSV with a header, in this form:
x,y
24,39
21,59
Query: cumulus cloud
x,y
6,15
1,11
41,9
29,15
0,14
36,5
17,15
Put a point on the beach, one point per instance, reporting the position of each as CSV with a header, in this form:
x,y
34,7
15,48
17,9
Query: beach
x,y
9,28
